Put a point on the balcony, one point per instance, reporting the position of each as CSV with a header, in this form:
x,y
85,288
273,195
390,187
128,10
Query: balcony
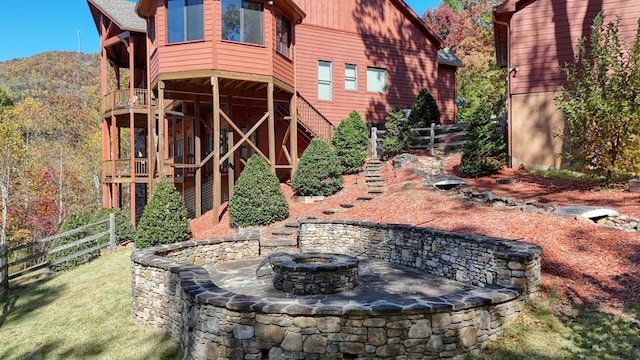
x,y
123,100
123,168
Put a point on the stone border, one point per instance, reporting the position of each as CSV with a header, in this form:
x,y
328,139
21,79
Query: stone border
x,y
171,290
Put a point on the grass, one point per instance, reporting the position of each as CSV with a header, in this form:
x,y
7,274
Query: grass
x,y
549,330
84,313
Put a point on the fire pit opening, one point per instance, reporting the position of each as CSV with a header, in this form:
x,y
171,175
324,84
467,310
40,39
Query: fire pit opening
x,y
314,273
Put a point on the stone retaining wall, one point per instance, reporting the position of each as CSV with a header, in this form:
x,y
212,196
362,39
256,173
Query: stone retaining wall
x,y
473,259
172,291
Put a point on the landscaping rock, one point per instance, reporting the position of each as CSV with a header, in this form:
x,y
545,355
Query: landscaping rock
x,y
402,160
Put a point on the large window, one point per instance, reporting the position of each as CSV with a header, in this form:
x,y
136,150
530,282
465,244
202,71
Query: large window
x,y
242,21
185,20
324,80
350,77
376,80
283,33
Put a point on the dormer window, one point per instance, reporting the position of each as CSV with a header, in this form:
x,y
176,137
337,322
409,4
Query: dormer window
x,y
242,21
283,35
185,20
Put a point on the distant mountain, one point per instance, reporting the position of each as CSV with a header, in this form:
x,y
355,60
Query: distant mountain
x,y
57,72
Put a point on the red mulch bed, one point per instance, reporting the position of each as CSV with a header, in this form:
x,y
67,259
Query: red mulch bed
x,y
582,262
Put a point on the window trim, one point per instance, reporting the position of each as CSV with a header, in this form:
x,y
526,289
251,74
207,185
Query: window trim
x,y
325,81
242,21
354,78
185,20
377,69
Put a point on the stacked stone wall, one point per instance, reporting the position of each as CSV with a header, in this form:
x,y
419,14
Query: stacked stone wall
x,y
474,259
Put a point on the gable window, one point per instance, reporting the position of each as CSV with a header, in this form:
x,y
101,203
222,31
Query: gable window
x,y
185,20
242,21
350,77
283,34
376,79
324,80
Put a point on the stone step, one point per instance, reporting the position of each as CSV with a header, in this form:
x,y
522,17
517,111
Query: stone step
x,y
285,232
292,224
330,211
375,190
347,205
374,161
269,241
366,197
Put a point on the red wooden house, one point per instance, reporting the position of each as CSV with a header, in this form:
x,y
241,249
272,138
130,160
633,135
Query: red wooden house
x,y
214,81
534,40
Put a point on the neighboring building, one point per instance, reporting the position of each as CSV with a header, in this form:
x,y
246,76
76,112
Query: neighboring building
x,y
534,40
214,81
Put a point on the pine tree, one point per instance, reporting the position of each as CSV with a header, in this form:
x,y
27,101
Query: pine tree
x,y
319,172
350,141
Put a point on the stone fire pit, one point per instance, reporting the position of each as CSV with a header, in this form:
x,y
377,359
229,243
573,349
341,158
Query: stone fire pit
x,y
314,273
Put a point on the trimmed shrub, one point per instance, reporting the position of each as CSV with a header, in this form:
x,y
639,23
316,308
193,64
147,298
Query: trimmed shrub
x,y
424,111
124,229
319,171
257,196
350,141
72,222
164,219
397,137
484,152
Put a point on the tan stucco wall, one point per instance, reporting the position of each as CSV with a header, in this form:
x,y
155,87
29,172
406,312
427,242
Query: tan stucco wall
x,y
536,126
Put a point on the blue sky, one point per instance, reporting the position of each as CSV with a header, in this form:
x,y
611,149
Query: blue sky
x,y
28,27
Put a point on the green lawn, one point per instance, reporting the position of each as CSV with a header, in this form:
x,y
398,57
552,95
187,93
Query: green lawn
x,y
84,313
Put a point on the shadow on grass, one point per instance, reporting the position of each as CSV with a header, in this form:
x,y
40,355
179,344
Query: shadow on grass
x,y
23,298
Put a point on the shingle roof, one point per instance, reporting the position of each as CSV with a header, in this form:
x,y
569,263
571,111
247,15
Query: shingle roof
x,y
123,13
446,56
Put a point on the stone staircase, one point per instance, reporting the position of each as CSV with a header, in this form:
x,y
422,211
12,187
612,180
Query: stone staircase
x,y
375,180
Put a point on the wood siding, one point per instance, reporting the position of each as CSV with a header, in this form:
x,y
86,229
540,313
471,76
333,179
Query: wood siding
x,y
544,35
447,94
368,34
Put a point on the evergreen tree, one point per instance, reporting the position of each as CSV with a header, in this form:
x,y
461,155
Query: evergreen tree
x,y
257,197
350,141
397,138
319,171
484,152
424,111
164,220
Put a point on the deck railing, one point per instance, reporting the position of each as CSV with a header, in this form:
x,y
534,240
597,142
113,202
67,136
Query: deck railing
x,y
313,120
122,99
123,167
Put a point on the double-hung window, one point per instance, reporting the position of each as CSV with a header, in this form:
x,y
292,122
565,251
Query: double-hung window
x,y
185,20
242,21
376,80
324,80
351,77
283,34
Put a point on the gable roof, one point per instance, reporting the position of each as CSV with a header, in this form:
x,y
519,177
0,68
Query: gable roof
x,y
121,12
446,56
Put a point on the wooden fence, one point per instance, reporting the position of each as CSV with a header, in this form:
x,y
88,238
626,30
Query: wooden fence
x,y
38,251
435,136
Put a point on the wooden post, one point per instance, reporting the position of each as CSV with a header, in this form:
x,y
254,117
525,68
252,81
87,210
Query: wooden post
x,y
161,129
231,177
293,133
432,137
112,231
374,142
198,155
217,179
272,126
4,266
132,135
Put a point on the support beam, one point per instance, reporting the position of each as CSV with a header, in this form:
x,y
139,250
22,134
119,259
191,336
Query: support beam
x,y
161,130
217,179
293,133
272,126
198,154
132,135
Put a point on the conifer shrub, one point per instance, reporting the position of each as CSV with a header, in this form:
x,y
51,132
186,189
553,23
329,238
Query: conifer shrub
x,y
484,152
319,171
124,229
72,222
350,140
397,138
424,111
164,219
257,197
